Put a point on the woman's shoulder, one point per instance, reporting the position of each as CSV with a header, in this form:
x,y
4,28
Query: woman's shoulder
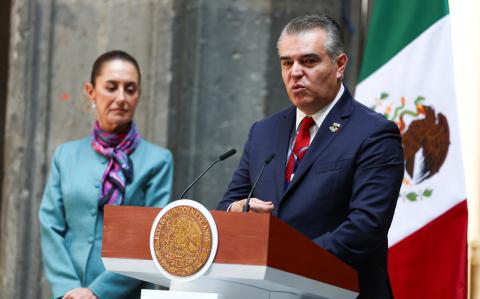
x,y
147,148
73,147
86,141
151,157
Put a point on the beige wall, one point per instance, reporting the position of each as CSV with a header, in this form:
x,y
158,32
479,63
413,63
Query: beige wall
x,y
465,16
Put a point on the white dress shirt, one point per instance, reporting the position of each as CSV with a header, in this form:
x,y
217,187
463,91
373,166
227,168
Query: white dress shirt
x,y
318,117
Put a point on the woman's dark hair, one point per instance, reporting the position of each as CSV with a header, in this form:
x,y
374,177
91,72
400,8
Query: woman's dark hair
x,y
109,56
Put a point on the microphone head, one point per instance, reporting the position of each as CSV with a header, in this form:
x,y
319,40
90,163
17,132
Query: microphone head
x,y
269,158
227,154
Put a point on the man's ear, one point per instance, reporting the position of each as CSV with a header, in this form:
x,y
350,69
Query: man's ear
x,y
341,62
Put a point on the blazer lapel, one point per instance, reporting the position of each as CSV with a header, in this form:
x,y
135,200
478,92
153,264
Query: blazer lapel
x,y
284,129
324,137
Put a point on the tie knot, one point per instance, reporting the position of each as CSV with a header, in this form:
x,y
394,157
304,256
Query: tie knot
x,y
306,123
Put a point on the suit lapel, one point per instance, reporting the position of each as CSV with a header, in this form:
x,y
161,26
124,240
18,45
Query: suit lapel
x,y
281,142
324,137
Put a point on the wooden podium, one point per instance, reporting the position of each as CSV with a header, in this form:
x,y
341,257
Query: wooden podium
x,y
258,256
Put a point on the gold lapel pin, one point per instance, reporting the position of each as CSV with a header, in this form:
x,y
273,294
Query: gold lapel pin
x,y
334,127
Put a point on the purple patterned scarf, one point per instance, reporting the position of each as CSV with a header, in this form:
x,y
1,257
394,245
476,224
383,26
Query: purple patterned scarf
x,y
119,172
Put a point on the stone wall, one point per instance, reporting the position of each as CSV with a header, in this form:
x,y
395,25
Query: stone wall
x,y
210,70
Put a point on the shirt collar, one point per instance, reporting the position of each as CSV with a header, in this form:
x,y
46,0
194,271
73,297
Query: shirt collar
x,y
320,115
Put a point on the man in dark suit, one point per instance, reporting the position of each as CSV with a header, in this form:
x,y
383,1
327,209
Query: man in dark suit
x,y
338,165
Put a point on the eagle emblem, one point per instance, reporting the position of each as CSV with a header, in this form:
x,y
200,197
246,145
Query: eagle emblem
x,y
334,127
425,139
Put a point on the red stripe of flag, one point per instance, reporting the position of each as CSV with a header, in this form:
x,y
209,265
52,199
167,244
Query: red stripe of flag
x,y
432,262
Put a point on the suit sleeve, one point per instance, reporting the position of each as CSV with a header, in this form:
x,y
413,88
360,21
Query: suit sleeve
x,y
58,266
376,183
240,184
112,285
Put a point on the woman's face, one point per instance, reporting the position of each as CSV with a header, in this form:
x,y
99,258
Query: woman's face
x,y
115,94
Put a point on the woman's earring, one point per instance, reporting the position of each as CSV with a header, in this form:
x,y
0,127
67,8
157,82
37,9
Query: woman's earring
x,y
94,105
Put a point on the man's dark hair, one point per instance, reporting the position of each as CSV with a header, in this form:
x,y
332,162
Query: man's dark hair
x,y
109,56
334,43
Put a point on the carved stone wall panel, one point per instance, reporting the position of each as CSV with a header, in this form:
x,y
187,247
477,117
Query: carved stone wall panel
x,y
53,45
226,94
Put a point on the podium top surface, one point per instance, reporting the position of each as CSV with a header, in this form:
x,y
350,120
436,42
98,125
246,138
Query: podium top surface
x,y
243,238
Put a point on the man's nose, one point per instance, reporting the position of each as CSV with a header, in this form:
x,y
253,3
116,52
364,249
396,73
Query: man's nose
x,y
297,70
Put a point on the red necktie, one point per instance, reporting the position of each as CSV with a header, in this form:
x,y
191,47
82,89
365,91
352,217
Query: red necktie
x,y
300,147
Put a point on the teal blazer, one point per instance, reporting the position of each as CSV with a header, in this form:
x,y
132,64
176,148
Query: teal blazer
x,y
71,224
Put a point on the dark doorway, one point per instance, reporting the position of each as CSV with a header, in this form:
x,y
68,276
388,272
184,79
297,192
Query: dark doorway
x,y
5,10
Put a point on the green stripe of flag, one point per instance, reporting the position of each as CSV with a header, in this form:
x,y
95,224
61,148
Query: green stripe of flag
x,y
394,24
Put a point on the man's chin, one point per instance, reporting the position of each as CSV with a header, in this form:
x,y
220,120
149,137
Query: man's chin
x,y
301,101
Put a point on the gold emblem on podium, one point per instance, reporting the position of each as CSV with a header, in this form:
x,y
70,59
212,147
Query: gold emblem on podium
x,y
182,241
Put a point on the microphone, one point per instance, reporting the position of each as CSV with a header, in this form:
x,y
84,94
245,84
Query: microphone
x,y
220,158
246,206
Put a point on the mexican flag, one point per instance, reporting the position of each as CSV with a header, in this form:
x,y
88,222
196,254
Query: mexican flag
x,y
407,75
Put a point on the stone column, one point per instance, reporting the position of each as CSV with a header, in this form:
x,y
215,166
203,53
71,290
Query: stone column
x,y
25,156
218,88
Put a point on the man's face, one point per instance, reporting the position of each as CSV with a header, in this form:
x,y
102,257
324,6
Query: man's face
x,y
311,77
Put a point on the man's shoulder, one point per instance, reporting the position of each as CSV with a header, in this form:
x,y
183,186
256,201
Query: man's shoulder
x,y
265,127
367,113
370,121
282,114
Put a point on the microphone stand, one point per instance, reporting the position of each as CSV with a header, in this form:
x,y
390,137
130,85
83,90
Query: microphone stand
x,y
246,206
220,158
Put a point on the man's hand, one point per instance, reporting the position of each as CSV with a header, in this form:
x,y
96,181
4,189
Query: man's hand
x,y
256,205
79,293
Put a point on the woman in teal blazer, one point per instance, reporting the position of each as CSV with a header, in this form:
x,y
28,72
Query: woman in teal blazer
x,y
113,166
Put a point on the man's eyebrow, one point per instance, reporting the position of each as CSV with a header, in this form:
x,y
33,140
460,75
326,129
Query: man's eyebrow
x,y
308,55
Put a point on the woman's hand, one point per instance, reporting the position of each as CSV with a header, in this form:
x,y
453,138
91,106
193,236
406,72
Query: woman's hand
x,y
79,293
256,205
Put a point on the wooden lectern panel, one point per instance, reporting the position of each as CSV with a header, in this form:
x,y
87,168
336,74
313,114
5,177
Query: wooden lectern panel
x,y
243,238
293,252
126,231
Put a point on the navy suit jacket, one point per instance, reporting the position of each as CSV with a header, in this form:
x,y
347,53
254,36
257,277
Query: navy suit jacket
x,y
344,192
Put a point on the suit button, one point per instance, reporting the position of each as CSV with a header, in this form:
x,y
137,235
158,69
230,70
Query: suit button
x,y
90,240
97,184
104,161
93,212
